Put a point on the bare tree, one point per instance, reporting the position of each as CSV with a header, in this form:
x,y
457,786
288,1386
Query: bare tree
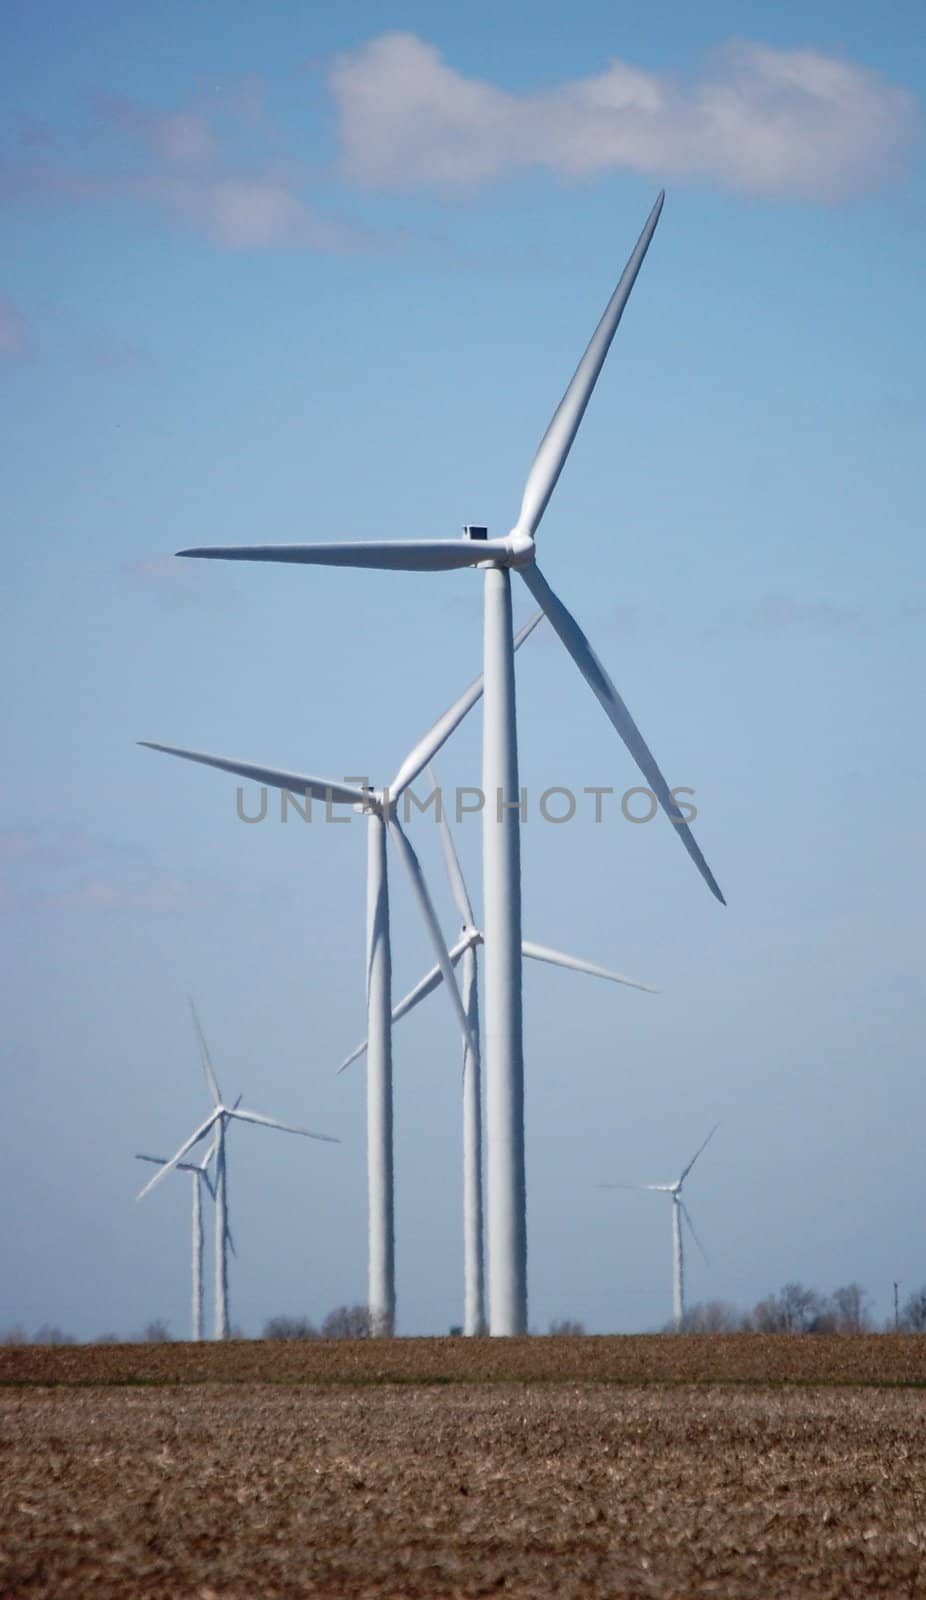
x,y
155,1332
347,1322
566,1329
712,1316
913,1315
289,1328
793,1310
849,1308
49,1334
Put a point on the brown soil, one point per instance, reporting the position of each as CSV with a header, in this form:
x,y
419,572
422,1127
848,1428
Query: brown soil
x,y
647,1358
333,1481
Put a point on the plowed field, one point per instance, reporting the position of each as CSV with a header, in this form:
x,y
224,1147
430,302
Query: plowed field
x,y
601,1467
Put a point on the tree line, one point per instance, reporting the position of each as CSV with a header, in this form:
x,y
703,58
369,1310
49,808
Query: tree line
x,y
793,1309
797,1309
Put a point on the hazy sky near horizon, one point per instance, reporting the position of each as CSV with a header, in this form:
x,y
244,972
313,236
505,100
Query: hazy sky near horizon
x,y
280,273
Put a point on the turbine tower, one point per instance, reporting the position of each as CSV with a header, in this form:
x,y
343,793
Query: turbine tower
x,y
507,1195
217,1120
465,951
380,808
679,1210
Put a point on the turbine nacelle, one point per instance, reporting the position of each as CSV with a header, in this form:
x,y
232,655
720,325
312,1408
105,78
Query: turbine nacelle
x,y
516,550
375,803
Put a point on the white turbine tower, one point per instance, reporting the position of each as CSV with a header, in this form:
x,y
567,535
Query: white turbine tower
x,y
471,937
217,1120
199,1171
679,1210
507,1196
380,808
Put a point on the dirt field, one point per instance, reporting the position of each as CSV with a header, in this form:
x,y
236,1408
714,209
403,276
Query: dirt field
x,y
647,1358
435,1468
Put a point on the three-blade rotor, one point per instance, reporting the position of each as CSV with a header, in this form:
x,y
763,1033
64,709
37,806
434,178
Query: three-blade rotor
x,y
384,802
225,1112
517,551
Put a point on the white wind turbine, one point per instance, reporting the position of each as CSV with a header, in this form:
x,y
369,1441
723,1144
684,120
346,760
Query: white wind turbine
x,y
199,1171
217,1120
507,1196
679,1209
199,1175
380,808
471,937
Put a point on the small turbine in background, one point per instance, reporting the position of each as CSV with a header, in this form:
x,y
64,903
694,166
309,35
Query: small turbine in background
x,y
217,1120
679,1209
199,1171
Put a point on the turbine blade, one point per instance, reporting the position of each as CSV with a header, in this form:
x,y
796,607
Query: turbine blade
x,y
697,1153
188,1144
557,441
661,1188
425,986
229,1238
472,1060
160,1161
212,1082
355,1055
440,731
297,782
540,952
420,890
284,1127
687,1215
454,871
598,681
203,1165
470,979
399,555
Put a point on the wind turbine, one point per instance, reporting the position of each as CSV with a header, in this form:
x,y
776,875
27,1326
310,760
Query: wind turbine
x,y
380,808
217,1120
679,1209
199,1171
471,937
507,1194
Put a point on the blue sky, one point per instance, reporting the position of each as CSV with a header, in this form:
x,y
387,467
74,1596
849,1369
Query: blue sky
x,y
280,275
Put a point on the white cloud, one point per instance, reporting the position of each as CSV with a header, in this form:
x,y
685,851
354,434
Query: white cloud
x,y
214,174
757,119
244,211
183,136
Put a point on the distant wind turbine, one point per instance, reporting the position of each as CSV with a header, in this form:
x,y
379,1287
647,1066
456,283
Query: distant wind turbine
x,y
199,1171
679,1209
498,557
380,806
217,1120
471,937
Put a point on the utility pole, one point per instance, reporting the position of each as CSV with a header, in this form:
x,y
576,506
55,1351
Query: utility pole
x,y
896,1310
